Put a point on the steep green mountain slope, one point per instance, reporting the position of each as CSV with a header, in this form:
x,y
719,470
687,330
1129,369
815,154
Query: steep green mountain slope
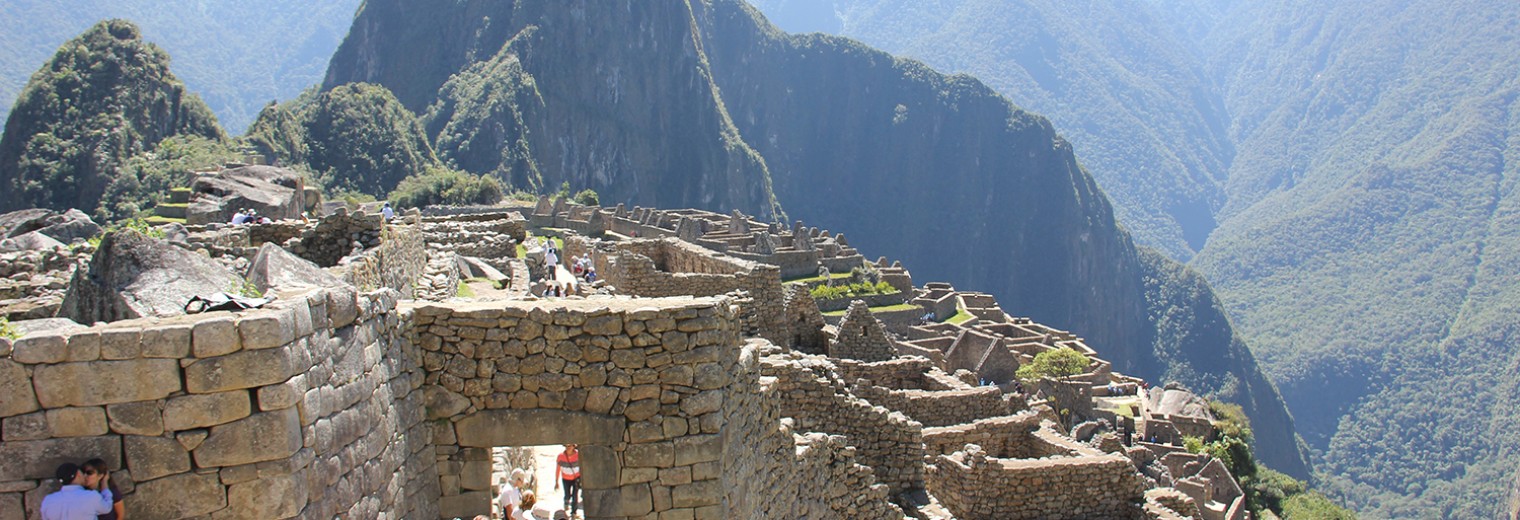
x,y
354,138
704,104
1369,243
1130,97
105,97
238,55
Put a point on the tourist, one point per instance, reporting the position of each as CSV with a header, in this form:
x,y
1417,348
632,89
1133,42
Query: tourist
x,y
590,274
511,497
240,217
526,511
387,212
118,511
84,495
550,259
568,471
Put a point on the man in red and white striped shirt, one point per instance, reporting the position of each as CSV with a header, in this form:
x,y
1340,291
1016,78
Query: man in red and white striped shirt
x,y
568,470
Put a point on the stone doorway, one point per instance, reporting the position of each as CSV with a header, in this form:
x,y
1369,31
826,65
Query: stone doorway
x,y
599,437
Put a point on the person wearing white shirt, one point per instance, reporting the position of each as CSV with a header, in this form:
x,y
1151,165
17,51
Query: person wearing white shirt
x,y
85,495
511,497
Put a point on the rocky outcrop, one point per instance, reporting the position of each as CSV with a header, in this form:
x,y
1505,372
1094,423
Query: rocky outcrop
x,y
276,193
274,267
62,226
133,276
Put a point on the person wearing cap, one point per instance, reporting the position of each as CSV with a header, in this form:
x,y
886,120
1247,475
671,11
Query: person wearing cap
x,y
85,495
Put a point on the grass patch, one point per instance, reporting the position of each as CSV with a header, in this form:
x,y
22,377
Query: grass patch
x,y
156,220
961,316
884,308
464,291
813,279
522,250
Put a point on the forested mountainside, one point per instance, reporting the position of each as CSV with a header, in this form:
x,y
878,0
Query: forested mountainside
x,y
105,97
705,104
238,55
1364,241
1131,97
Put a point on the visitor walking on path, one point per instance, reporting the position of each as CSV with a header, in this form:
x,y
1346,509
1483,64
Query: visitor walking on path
x,y
84,496
568,471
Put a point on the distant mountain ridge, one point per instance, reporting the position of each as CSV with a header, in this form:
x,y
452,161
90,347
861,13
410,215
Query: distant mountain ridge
x,y
1365,217
704,104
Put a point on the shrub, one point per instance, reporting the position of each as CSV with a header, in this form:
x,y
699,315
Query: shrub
x,y
587,198
1056,364
438,185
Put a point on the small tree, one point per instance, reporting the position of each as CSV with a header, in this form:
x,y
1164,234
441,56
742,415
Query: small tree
x,y
587,197
1056,364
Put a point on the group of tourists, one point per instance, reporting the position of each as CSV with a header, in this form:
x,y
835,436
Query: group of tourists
x,y
517,499
249,216
87,494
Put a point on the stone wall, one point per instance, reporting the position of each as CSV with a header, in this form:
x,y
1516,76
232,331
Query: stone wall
x,y
999,436
889,442
1079,487
396,263
938,408
299,410
670,267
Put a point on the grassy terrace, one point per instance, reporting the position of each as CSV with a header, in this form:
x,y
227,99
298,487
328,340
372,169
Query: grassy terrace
x,y
815,279
885,308
961,316
559,243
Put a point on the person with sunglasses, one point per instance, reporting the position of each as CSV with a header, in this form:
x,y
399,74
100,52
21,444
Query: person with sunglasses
x,y
118,512
85,495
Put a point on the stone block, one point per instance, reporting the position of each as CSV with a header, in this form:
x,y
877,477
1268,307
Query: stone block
x,y
702,403
84,346
268,498
77,422
36,460
106,382
41,348
181,496
488,428
152,458
342,306
120,344
465,505
695,449
260,437
599,467
697,494
651,455
441,403
267,330
476,476
204,410
169,342
283,395
215,337
191,439
142,418
20,397
641,410
29,427
11,507
242,370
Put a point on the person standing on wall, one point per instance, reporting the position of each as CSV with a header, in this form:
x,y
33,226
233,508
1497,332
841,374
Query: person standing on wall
x,y
85,495
568,471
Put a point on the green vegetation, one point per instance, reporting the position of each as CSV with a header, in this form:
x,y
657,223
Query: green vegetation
x,y
464,290
961,316
587,198
1055,364
882,309
146,180
439,185
246,289
7,330
834,292
493,283
818,278
105,97
355,138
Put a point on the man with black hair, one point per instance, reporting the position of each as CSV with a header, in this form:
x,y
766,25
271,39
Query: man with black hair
x,y
85,495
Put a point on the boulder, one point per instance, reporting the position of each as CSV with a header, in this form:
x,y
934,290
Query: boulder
x,y
63,227
276,193
53,325
34,241
471,267
273,266
135,276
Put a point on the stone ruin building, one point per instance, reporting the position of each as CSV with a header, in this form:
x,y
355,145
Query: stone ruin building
x,y
699,375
